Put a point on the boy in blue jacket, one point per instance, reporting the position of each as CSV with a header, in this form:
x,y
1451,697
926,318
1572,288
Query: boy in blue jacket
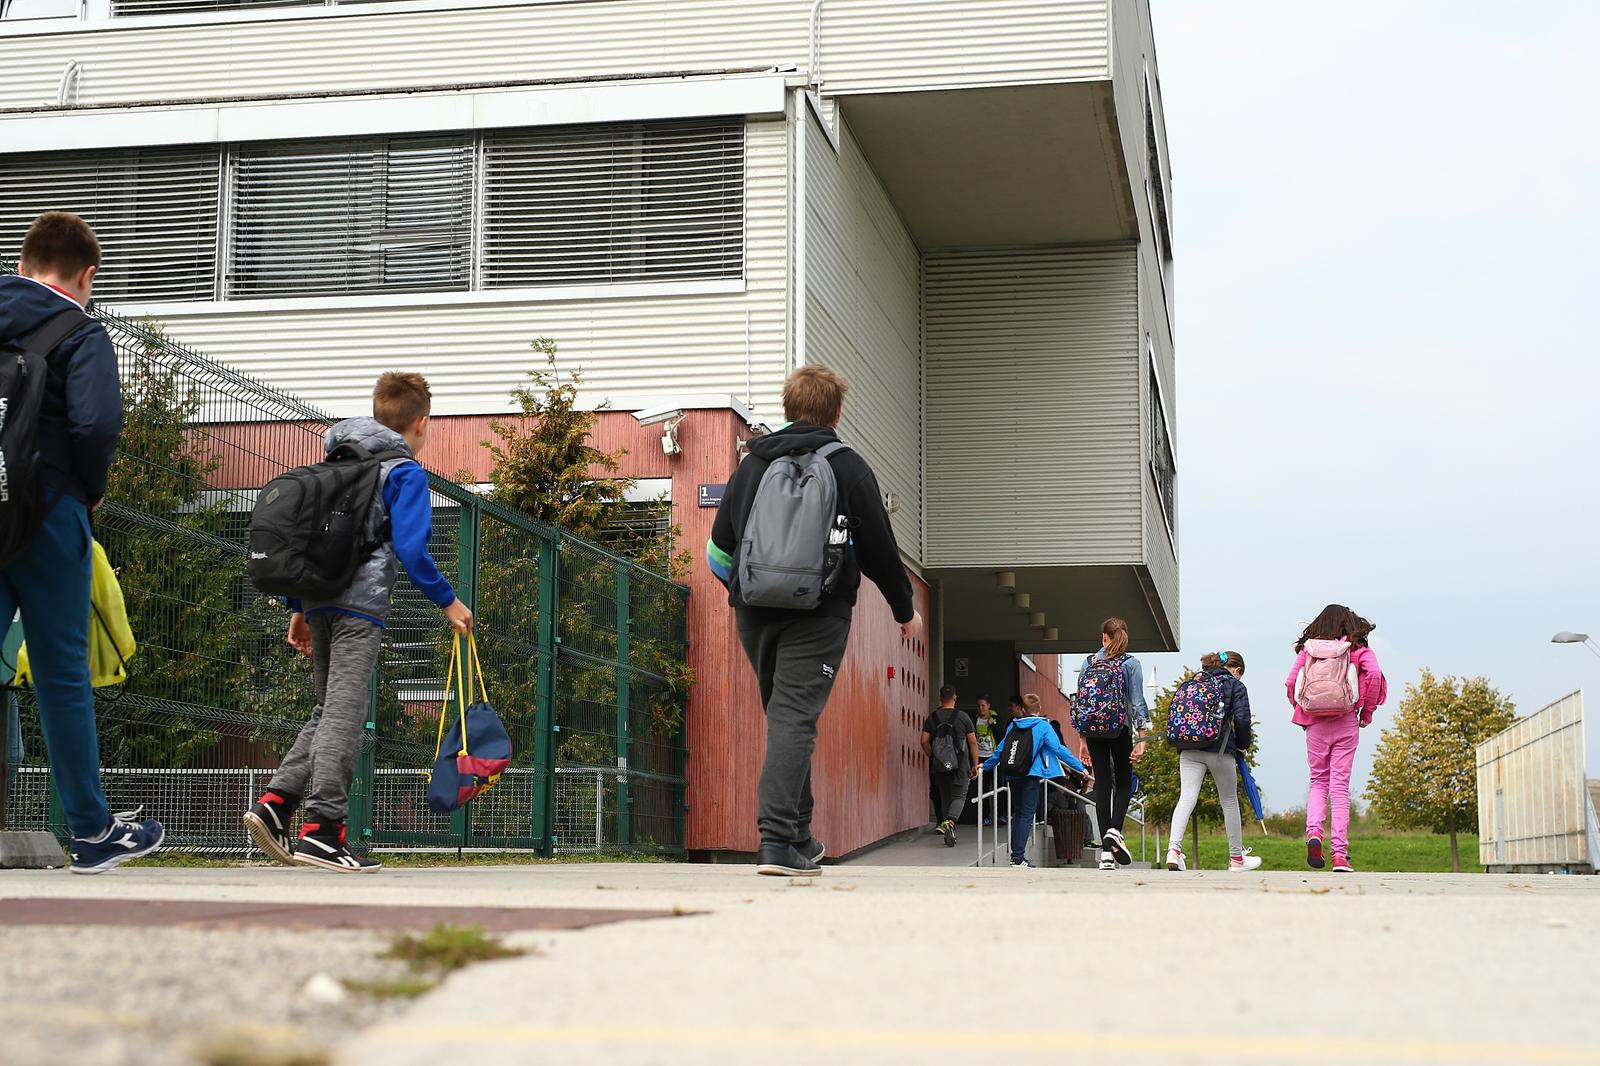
x,y
46,574
343,637
1049,756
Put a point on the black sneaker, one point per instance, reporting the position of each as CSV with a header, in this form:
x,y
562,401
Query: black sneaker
x,y
784,860
322,844
813,849
1112,841
269,821
948,827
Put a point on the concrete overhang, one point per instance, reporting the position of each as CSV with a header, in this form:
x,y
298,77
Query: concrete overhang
x,y
1073,599
1012,165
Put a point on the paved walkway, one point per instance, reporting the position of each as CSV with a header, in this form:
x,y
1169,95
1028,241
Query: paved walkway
x,y
1101,967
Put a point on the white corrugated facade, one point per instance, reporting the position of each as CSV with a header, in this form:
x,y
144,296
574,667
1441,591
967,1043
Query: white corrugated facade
x,y
1033,407
863,317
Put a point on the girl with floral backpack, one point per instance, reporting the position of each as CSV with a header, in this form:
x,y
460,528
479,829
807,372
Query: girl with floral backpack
x,y
1111,715
1334,688
1209,723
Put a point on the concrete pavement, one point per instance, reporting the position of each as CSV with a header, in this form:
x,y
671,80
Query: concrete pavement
x,y
872,964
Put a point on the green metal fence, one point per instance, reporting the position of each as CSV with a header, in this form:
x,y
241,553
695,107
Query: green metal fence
x,y
577,644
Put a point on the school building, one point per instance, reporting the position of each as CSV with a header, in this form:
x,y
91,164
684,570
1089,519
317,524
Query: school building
x,y
963,205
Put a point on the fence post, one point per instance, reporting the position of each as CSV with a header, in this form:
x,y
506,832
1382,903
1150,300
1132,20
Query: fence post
x,y
624,684
358,822
544,736
469,544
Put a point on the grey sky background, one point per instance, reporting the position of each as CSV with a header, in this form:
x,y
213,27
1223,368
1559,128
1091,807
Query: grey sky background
x,y
1384,227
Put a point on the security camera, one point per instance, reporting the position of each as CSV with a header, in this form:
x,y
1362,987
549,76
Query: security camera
x,y
651,416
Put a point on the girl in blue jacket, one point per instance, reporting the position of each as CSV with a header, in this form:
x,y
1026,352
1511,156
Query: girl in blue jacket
x,y
1049,758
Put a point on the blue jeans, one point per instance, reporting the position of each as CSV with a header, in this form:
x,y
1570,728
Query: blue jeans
x,y
1024,805
50,582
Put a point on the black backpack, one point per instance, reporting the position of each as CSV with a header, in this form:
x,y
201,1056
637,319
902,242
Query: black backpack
x,y
1016,752
23,372
308,527
946,757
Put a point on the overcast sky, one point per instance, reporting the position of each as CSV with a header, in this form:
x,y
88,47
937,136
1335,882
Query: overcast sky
x,y
1384,224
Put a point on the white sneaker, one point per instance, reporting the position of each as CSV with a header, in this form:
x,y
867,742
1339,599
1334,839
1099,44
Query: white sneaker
x,y
1175,860
1107,861
1244,863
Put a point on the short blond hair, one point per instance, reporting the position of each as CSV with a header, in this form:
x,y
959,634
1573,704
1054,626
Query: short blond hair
x,y
814,394
399,399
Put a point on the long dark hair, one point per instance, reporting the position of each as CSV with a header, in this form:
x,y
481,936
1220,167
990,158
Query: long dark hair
x,y
1334,623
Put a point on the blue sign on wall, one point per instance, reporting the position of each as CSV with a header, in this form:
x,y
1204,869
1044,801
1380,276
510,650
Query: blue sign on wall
x,y
711,495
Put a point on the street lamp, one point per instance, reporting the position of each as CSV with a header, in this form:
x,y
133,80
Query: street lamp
x,y
1565,637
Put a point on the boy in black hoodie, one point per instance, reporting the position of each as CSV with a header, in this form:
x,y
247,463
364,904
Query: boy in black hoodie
x,y
796,653
47,574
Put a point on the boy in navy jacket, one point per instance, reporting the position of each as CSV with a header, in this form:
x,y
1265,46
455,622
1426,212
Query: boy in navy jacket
x,y
80,420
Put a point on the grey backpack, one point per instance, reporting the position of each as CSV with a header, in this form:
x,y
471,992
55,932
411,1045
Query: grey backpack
x,y
794,538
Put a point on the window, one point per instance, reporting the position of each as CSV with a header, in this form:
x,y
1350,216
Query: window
x,y
389,214
154,209
555,206
1162,465
125,8
1157,183
593,204
1028,660
38,9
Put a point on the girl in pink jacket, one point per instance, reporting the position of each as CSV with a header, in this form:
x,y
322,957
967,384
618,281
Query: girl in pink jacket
x,y
1334,688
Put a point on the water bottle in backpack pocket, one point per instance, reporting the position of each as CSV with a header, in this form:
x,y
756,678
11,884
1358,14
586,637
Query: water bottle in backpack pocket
x,y
1327,683
1100,710
1198,715
788,556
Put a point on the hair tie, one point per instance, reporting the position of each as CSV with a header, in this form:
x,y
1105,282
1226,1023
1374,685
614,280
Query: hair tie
x,y
1224,658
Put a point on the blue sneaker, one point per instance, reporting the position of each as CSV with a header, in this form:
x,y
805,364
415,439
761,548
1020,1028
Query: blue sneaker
x,y
128,837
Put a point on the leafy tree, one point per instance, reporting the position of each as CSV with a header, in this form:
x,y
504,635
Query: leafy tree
x,y
210,650
545,467
1159,782
1424,774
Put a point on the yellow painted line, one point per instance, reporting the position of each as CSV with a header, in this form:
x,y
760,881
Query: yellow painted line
x,y
1234,1047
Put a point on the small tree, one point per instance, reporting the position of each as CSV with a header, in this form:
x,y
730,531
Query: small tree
x,y
1424,775
545,467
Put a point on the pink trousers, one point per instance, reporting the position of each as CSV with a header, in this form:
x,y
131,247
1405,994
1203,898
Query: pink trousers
x,y
1331,753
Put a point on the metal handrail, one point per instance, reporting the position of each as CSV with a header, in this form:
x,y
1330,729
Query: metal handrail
x,y
990,854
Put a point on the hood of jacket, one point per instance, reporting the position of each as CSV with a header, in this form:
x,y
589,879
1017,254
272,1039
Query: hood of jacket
x,y
794,438
25,304
366,432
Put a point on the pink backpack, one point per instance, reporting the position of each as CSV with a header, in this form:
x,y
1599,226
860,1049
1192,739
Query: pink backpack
x,y
1326,683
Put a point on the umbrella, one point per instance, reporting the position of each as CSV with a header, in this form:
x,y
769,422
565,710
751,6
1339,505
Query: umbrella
x,y
1251,790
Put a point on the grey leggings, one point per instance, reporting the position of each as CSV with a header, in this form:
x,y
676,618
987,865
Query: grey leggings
x,y
1192,769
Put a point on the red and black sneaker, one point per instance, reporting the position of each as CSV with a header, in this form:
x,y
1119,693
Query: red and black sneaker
x,y
322,844
1341,865
269,820
1314,857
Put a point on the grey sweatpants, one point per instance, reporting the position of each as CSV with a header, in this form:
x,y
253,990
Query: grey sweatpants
x,y
322,764
1192,769
795,663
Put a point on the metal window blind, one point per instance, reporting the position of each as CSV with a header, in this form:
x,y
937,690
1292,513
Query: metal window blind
x,y
633,202
387,214
154,210
125,8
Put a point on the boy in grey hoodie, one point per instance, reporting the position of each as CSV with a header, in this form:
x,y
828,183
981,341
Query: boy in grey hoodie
x,y
343,636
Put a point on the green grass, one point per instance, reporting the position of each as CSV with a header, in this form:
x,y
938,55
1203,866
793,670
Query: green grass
x,y
409,859
399,988
449,947
1370,852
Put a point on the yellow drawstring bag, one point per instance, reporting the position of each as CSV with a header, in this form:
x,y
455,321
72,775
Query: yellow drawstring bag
x,y
111,642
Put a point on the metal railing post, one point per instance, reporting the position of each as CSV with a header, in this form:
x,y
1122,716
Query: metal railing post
x,y
544,736
624,678
468,544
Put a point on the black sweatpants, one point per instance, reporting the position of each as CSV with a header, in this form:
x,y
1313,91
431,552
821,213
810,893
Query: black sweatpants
x,y
1113,780
795,663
